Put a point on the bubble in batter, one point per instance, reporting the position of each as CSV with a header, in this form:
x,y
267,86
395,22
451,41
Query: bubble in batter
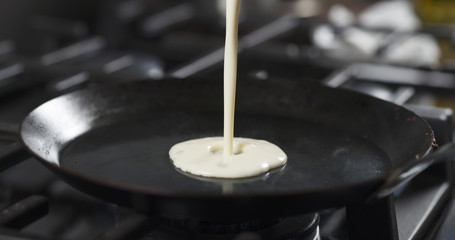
x,y
204,157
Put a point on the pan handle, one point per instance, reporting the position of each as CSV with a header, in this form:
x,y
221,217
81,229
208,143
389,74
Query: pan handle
x,y
444,153
14,153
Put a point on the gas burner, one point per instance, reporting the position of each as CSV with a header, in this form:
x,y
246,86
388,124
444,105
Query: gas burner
x,y
304,227
300,227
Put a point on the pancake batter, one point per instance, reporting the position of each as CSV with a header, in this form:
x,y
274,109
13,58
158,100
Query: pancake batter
x,y
228,157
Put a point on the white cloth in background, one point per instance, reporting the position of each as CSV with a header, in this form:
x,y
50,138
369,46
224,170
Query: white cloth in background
x,y
396,15
354,43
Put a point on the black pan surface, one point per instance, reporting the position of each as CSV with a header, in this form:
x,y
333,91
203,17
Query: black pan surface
x,y
113,142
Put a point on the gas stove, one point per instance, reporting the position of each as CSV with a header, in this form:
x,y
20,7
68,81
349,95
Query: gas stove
x,y
55,47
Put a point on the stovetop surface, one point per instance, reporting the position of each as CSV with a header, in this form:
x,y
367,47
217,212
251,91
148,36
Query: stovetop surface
x,y
52,48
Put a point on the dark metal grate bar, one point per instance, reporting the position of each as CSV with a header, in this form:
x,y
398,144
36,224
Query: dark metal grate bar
x,y
12,155
272,30
6,46
24,212
8,132
134,227
7,234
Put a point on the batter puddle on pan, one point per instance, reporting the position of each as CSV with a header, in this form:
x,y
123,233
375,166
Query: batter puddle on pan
x,y
135,153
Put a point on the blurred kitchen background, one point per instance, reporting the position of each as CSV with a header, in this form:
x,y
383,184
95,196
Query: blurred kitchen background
x,y
53,40
407,32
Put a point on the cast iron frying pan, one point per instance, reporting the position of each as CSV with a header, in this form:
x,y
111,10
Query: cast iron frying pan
x,y
113,142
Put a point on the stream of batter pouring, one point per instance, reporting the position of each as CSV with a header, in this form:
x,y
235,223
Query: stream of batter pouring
x,y
230,73
228,157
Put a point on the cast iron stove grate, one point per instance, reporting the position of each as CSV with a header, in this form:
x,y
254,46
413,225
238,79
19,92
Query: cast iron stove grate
x,y
64,48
